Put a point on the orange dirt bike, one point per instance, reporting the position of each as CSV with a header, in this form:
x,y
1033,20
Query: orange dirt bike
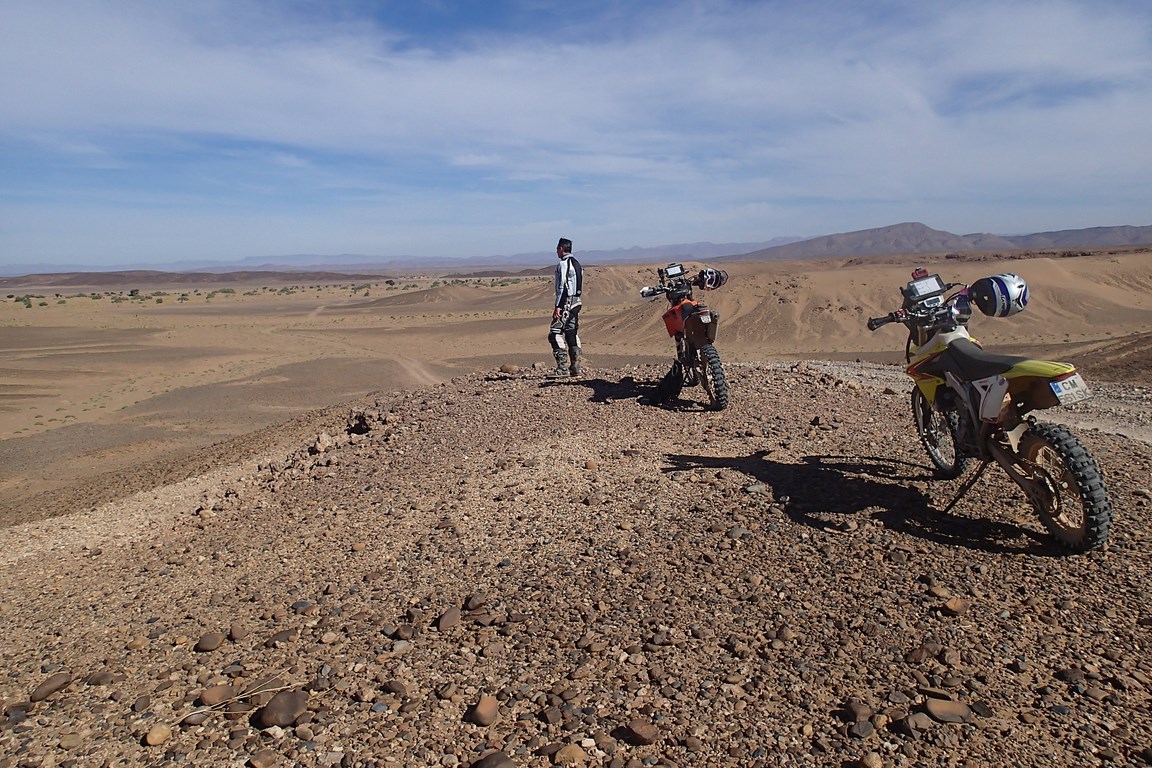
x,y
692,325
971,404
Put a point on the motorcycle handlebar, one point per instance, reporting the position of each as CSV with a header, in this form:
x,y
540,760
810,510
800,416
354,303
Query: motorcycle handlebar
x,y
876,322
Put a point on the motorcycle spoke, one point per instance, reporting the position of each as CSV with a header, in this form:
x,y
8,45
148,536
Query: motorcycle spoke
x,y
938,434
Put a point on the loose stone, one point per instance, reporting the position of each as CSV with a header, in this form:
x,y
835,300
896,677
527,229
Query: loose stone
x,y
216,694
265,758
571,754
642,732
51,685
945,711
210,641
157,734
494,760
449,618
485,711
283,709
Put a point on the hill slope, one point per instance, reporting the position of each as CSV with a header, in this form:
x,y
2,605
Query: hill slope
x,y
510,571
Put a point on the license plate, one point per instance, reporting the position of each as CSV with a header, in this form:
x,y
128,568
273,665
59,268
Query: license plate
x,y
1070,390
705,317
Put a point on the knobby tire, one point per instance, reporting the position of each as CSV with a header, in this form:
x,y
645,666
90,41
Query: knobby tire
x,y
1074,506
714,380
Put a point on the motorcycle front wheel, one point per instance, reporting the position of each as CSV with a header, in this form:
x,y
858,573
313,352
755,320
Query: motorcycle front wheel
x,y
1071,498
712,377
938,431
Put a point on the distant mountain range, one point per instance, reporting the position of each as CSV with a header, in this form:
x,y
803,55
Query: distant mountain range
x,y
907,238
914,237
635,254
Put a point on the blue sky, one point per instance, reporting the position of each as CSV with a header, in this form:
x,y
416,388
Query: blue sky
x,y
161,131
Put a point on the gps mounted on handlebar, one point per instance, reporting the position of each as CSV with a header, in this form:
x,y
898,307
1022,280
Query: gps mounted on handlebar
x,y
674,283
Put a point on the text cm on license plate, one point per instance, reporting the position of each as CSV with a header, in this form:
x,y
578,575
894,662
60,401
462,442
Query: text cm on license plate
x,y
1071,390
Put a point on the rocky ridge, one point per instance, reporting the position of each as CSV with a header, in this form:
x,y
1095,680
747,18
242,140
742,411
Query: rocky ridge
x,y
506,570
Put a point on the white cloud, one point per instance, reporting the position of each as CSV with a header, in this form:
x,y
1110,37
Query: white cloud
x,y
709,120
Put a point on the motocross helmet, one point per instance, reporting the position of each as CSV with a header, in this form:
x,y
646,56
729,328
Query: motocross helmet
x,y
710,279
1000,295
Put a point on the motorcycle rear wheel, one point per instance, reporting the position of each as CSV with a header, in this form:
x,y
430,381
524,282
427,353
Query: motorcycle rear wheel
x,y
938,431
1073,502
713,378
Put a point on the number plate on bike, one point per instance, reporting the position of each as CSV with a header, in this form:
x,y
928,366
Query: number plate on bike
x,y
1071,390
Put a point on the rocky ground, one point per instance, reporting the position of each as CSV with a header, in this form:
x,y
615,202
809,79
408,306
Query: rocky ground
x,y
506,570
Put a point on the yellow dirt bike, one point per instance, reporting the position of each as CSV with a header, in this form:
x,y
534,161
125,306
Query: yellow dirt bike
x,y
971,404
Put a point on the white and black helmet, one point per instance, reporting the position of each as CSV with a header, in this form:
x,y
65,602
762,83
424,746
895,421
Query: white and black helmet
x,y
1000,295
710,279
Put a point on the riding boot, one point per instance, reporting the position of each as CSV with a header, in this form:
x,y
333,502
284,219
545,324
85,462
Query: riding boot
x,y
561,356
574,361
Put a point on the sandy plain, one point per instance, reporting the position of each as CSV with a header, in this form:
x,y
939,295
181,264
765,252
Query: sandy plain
x,y
107,388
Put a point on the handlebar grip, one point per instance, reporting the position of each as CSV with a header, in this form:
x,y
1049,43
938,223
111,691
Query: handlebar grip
x,y
876,322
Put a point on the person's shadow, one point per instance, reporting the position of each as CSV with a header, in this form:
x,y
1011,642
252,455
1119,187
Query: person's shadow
x,y
819,490
630,388
603,390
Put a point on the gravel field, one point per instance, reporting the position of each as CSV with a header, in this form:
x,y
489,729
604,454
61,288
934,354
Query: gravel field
x,y
507,570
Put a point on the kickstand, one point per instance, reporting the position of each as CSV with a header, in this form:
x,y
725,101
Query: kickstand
x,y
967,484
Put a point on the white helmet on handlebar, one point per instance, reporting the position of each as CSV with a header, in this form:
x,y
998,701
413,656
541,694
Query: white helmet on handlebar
x,y
710,279
1000,295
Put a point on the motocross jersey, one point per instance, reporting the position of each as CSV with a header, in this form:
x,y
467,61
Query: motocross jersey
x,y
569,282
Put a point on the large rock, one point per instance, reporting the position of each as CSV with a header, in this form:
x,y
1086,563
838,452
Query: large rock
x,y
283,709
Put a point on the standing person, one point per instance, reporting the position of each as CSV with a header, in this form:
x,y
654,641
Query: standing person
x,y
563,334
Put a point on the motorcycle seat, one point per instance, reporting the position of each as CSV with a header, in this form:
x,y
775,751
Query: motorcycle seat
x,y
973,363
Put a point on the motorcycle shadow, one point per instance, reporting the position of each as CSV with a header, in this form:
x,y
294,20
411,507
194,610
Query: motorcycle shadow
x,y
820,491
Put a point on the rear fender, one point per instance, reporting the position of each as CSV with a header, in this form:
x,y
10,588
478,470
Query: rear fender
x,y
700,325
1028,383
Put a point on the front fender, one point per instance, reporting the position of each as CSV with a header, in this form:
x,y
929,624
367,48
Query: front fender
x,y
928,386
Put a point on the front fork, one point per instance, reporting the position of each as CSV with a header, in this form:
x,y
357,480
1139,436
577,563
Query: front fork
x,y
687,357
